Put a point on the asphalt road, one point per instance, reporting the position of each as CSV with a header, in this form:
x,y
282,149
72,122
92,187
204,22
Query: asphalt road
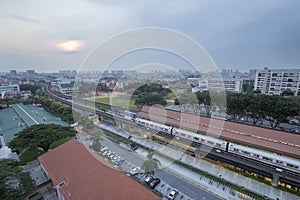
x,y
137,159
192,190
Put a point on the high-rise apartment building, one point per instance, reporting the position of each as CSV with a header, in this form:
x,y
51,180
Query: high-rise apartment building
x,y
275,81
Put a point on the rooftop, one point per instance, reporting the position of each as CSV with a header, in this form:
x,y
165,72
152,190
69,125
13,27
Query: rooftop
x,y
87,176
19,116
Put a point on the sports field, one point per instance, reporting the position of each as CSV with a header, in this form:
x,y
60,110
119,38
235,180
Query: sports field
x,y
118,101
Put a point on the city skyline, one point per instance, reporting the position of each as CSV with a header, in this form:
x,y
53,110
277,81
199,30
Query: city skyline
x,y
50,36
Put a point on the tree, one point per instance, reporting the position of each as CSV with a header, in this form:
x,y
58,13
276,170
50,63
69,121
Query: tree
x,y
193,102
150,99
253,106
287,93
247,88
32,88
281,108
86,123
41,135
14,184
151,164
204,98
101,87
235,105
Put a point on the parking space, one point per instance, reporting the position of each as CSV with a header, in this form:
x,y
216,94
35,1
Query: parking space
x,y
138,174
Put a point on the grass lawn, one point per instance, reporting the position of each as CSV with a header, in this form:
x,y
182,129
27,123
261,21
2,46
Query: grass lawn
x,y
59,142
30,155
119,101
122,102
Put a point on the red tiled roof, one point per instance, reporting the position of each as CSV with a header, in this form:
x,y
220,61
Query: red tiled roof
x,y
88,177
263,138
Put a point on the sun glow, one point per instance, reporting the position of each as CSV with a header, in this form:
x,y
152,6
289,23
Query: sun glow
x,y
70,46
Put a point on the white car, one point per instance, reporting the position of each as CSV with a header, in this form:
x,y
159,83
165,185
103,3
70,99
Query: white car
x,y
115,158
103,149
134,171
172,194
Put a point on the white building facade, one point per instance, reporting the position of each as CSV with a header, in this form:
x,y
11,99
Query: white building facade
x,y
276,81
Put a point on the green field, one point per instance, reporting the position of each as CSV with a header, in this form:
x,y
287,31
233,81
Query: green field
x,y
121,102
118,101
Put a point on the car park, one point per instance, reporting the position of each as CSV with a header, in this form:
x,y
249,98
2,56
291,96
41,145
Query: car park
x,y
154,182
172,195
134,171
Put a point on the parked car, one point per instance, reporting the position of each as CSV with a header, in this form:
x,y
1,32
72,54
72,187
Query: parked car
x,y
109,153
103,149
105,152
148,179
294,122
134,171
110,157
154,182
172,194
119,161
115,158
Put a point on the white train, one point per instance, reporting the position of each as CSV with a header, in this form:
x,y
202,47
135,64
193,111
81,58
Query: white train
x,y
268,157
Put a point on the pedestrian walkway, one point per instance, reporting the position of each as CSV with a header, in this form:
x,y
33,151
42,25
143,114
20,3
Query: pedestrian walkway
x,y
212,169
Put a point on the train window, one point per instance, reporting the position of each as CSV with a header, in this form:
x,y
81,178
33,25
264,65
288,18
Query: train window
x,y
210,142
195,138
291,165
246,152
266,158
183,134
218,144
279,162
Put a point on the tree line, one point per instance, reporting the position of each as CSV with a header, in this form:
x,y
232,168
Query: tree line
x,y
58,110
255,106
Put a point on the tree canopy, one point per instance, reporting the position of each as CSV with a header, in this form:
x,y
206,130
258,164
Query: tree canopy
x,y
41,135
261,106
32,88
151,94
251,105
14,184
65,113
151,164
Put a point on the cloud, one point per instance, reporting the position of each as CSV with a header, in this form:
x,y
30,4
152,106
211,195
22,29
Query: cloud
x,y
21,18
235,33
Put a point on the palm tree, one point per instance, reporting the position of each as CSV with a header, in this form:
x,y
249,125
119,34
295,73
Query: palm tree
x,y
151,164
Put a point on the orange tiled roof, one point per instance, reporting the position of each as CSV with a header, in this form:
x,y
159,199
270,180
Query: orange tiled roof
x,y
88,177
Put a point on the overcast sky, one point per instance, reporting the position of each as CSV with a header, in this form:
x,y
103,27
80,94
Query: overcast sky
x,y
237,34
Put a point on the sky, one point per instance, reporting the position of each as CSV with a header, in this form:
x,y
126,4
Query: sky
x,y
51,35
